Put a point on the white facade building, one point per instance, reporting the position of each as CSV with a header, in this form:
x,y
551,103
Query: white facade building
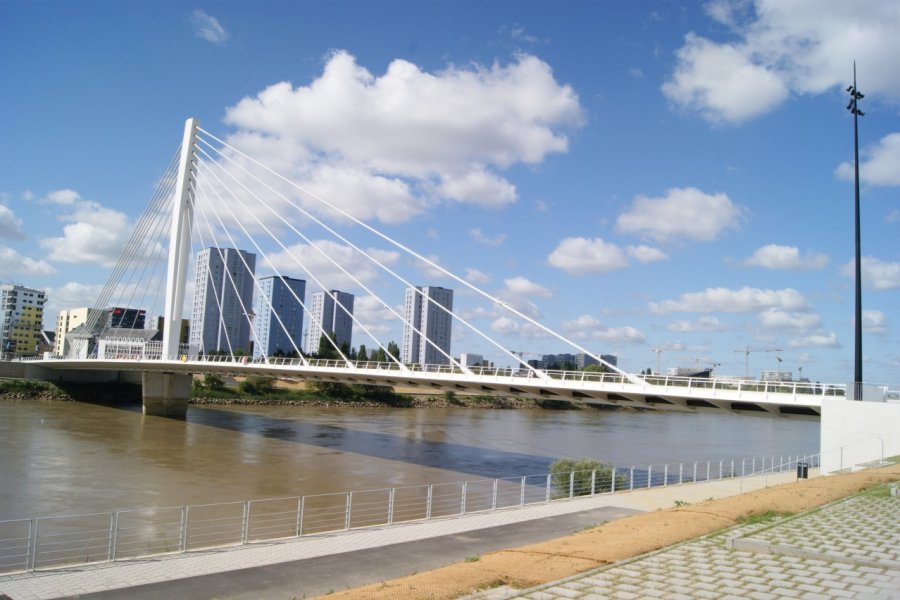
x,y
223,298
69,319
281,296
423,312
329,313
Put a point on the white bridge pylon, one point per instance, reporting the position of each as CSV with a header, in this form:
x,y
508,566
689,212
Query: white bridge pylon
x,y
215,197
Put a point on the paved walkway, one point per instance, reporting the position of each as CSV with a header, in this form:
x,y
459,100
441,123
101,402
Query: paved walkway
x,y
110,576
848,549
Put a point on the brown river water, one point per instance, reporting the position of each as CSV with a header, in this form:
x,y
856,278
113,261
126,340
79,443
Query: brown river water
x,y
59,458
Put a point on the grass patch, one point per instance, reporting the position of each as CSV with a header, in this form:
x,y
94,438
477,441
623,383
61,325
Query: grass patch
x,y
766,517
879,491
472,559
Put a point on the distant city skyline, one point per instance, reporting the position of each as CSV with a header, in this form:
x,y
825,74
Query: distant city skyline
x,y
667,183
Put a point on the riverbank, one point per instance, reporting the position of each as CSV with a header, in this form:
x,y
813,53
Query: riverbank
x,y
237,393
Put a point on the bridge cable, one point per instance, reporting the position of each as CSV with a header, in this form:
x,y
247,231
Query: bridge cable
x,y
302,265
430,263
376,262
201,162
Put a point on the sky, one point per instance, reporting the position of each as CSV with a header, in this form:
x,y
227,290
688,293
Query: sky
x,y
670,182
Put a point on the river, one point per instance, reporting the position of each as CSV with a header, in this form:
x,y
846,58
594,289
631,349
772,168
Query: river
x,y
71,457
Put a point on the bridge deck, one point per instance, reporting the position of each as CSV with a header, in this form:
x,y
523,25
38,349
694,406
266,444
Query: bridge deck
x,y
789,399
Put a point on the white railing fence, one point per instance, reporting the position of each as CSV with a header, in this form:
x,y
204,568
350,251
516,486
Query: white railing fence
x,y
54,542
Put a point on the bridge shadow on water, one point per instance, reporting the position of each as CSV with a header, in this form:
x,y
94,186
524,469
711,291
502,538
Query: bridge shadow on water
x,y
445,455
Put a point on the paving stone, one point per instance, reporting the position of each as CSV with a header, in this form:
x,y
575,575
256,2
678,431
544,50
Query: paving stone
x,y
786,592
814,596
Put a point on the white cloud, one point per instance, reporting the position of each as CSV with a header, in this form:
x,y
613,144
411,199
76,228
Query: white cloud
x,y
95,234
876,273
208,28
12,262
721,82
65,197
646,254
375,315
305,260
517,293
582,256
70,295
874,322
878,165
786,258
476,277
682,213
10,226
704,323
744,300
824,340
481,238
423,137
586,327
510,326
477,187
893,216
801,47
429,273
517,32
776,318
521,286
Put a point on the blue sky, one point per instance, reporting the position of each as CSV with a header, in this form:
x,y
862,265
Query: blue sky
x,y
636,175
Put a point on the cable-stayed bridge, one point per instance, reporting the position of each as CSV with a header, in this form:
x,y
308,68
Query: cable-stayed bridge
x,y
217,214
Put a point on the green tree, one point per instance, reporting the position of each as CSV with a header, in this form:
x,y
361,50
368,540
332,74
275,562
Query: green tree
x,y
579,484
378,355
393,349
213,381
362,355
327,348
597,368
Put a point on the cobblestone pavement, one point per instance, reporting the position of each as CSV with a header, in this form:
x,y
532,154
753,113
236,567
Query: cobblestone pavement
x,y
849,549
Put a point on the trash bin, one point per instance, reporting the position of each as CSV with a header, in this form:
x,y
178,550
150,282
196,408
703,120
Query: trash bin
x,y
802,470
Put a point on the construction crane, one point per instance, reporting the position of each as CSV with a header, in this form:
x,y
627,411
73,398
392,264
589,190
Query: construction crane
x,y
747,352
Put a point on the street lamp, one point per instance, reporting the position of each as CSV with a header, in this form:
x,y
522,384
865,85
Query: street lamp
x,y
855,97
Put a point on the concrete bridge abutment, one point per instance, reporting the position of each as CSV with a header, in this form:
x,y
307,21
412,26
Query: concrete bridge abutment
x,y
166,394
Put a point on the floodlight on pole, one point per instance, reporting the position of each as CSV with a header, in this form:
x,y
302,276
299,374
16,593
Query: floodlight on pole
x,y
853,107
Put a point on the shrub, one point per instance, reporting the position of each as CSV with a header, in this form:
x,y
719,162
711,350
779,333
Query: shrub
x,y
213,382
580,485
257,385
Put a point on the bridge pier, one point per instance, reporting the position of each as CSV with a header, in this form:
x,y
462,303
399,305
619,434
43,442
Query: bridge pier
x,y
166,394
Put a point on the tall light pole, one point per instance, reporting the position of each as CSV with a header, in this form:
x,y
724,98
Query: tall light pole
x,y
853,107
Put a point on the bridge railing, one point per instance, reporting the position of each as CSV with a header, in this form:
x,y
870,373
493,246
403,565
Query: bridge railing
x,y
523,376
53,542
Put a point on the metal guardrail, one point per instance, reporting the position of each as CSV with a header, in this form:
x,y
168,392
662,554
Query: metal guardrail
x,y
795,388
63,541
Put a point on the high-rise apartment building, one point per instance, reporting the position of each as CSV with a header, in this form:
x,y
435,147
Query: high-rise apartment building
x,y
223,297
329,313
423,312
281,296
21,319
69,319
